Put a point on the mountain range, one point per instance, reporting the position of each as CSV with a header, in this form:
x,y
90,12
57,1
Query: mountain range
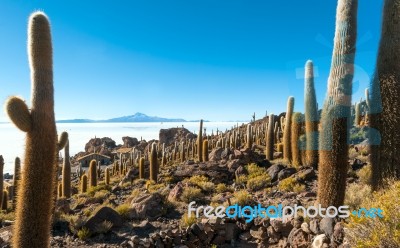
x,y
138,117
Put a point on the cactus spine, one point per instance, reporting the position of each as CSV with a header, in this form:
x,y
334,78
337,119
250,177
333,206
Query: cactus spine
x,y
335,120
66,173
384,114
16,178
107,176
295,139
269,141
141,168
205,150
34,202
93,173
311,117
84,182
200,142
153,163
287,154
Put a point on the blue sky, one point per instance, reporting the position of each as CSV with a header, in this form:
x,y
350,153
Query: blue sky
x,y
216,60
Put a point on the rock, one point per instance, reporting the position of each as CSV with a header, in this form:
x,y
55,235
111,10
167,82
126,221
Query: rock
x,y
281,227
314,226
231,231
170,135
259,233
225,153
305,228
278,155
274,237
241,171
308,174
274,170
104,214
245,236
297,238
129,141
319,241
147,206
103,146
215,154
338,233
285,173
237,154
63,205
233,164
176,192
326,225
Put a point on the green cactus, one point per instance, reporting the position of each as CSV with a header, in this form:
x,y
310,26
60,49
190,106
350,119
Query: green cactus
x,y
93,173
141,168
16,178
335,120
84,183
384,112
34,202
287,153
297,121
107,176
200,142
311,117
249,137
66,173
269,141
205,150
153,163
4,202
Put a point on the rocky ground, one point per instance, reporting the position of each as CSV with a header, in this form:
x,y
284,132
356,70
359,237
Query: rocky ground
x,y
132,212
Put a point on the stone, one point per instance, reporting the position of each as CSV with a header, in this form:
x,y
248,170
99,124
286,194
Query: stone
x,y
326,225
314,226
259,233
319,241
298,238
129,141
170,135
274,170
338,233
245,236
274,237
305,228
308,174
215,154
282,227
285,173
147,206
233,164
104,214
231,231
176,192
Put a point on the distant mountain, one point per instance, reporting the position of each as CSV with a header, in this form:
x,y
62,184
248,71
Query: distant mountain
x,y
138,117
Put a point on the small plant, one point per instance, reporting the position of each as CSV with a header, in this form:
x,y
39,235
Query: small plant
x,y
123,210
222,188
202,182
187,221
190,194
355,194
365,174
290,184
258,177
242,198
83,233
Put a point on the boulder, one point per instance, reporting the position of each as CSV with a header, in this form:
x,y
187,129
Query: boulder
x,y
147,206
170,135
104,214
274,170
129,141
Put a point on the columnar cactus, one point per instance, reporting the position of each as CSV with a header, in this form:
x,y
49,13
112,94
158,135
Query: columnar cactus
x,y
335,120
84,183
141,168
357,113
34,202
4,202
384,112
1,177
93,173
153,163
107,176
297,121
269,142
205,150
183,152
311,117
249,137
200,142
16,177
59,190
66,173
287,153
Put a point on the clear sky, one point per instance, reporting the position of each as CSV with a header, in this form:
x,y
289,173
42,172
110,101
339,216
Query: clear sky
x,y
212,59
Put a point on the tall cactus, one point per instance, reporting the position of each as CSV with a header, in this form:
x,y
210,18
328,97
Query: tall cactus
x,y
153,163
34,202
66,173
107,176
311,116
384,112
297,121
269,142
200,142
141,168
357,113
205,150
16,178
1,178
249,137
84,183
287,154
93,173
335,120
